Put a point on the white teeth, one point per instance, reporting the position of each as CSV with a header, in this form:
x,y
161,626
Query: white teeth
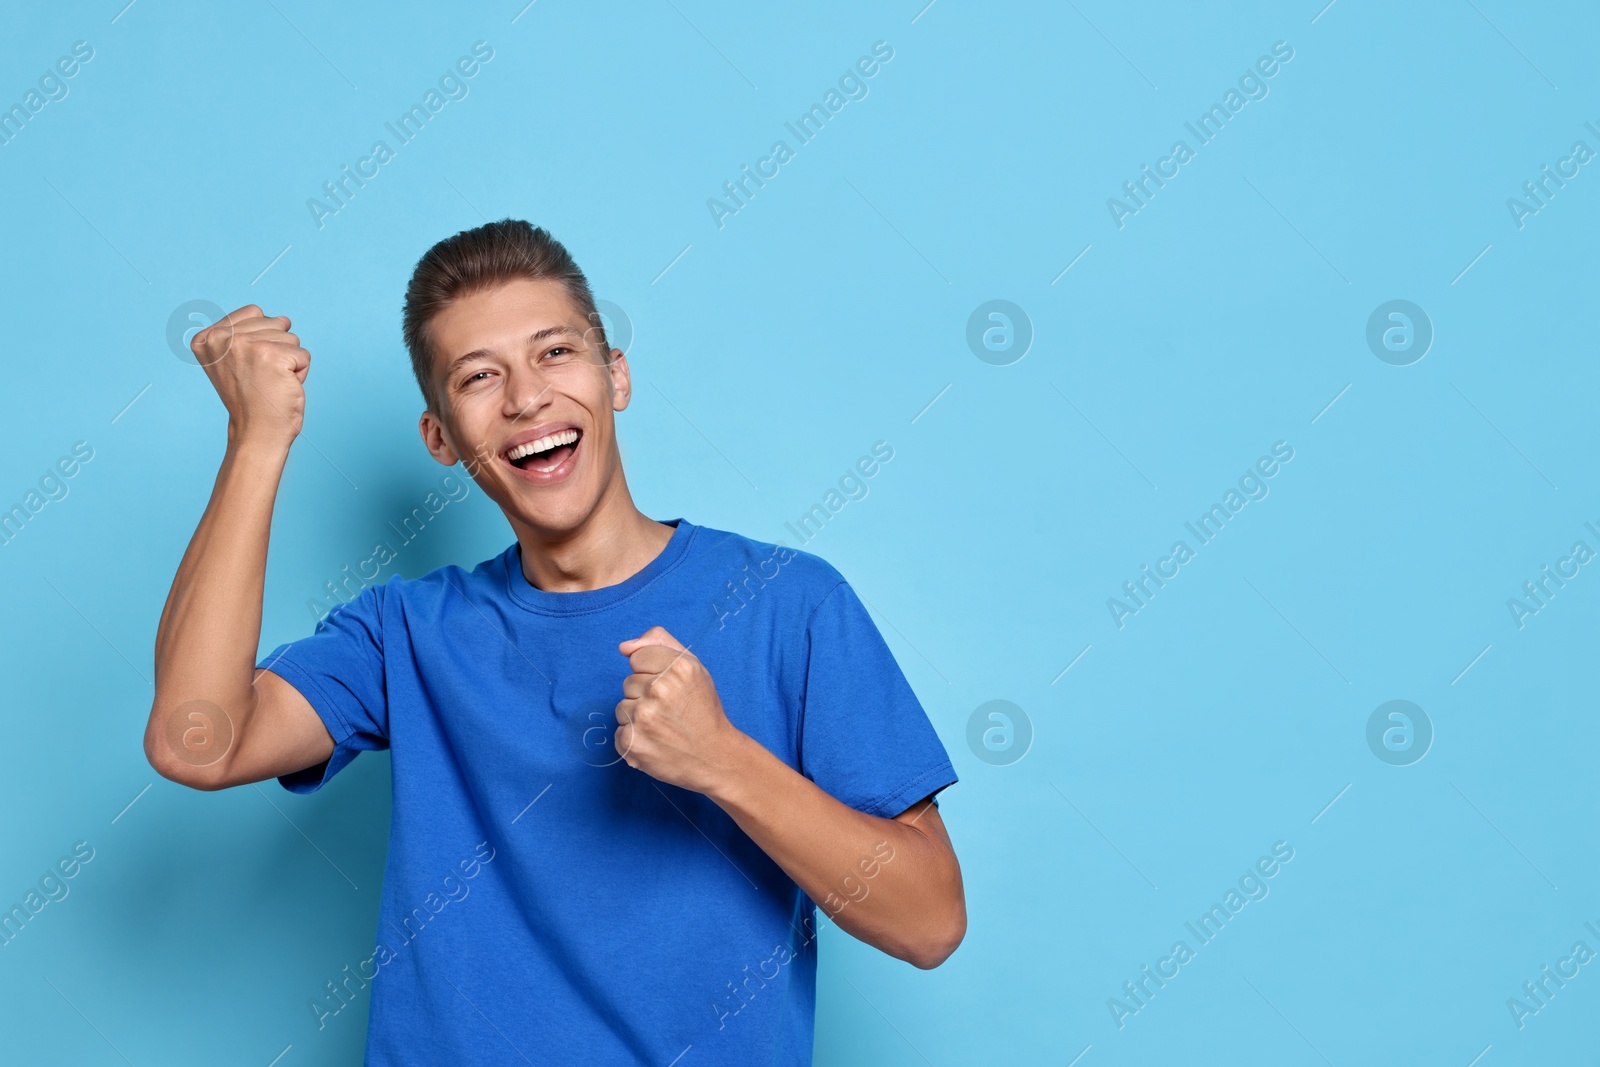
x,y
543,444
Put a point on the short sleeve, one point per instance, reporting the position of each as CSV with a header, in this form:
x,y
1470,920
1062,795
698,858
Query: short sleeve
x,y
864,737
339,670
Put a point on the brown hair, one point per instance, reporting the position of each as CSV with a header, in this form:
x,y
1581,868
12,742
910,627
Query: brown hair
x,y
478,259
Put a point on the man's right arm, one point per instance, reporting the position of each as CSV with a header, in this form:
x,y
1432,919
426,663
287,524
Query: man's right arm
x,y
215,721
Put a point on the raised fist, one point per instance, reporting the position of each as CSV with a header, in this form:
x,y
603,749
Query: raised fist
x,y
259,370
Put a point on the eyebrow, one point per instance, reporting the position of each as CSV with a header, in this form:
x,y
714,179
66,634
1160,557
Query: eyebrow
x,y
483,353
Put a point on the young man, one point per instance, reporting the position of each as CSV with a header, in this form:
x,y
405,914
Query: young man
x,y
627,754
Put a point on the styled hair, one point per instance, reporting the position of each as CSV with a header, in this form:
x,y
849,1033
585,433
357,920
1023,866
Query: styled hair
x,y
478,259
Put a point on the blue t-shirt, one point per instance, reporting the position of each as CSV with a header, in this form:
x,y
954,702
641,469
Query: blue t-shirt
x,y
542,900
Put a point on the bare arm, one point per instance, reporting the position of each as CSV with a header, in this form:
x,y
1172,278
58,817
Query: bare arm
x,y
893,883
212,723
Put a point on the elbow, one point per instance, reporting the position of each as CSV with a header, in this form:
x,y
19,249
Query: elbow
x,y
941,945
946,922
197,770
175,770
204,779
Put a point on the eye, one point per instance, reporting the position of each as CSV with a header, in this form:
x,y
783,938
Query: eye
x,y
471,378
559,348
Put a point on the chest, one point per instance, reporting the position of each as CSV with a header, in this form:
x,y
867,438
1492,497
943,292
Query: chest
x,y
538,695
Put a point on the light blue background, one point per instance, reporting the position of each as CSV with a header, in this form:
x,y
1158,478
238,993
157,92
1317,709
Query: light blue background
x,y
826,315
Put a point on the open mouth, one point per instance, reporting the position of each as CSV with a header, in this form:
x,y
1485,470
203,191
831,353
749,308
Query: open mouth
x,y
546,454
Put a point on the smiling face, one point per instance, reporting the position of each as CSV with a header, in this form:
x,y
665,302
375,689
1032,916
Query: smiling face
x,y
526,397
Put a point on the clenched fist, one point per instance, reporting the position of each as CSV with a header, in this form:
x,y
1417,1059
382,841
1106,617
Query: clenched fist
x,y
670,722
259,370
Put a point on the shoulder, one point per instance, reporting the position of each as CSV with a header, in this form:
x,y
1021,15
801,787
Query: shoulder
x,y
803,576
429,590
488,576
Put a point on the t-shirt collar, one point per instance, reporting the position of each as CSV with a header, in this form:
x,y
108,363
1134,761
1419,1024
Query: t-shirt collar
x,y
545,602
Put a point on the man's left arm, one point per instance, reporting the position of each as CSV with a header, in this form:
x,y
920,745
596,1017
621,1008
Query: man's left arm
x,y
893,883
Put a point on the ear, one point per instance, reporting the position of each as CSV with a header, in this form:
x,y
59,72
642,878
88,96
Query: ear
x,y
436,440
621,380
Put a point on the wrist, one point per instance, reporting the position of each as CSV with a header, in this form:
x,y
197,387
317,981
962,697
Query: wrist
x,y
739,770
256,448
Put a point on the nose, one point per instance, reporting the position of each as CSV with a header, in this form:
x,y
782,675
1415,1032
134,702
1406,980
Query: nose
x,y
526,391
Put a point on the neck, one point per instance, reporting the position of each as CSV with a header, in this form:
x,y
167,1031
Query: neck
x,y
614,543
